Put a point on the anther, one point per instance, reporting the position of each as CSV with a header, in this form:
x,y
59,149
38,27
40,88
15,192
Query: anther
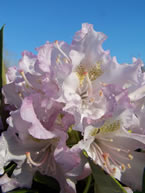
x,y
100,93
25,79
103,84
129,166
20,95
105,156
63,53
130,156
114,170
123,168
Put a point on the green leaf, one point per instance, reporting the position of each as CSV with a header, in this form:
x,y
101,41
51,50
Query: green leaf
x,y
24,191
10,168
104,183
46,180
89,179
2,67
143,183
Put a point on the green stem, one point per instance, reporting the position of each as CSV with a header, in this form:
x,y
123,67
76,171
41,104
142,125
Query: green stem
x,y
88,184
1,57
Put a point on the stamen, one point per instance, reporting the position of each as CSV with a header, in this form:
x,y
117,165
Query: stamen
x,y
21,95
37,164
103,84
65,60
100,93
90,89
129,166
117,149
28,84
99,156
99,149
115,163
114,170
123,167
58,61
104,139
106,158
63,53
95,72
130,156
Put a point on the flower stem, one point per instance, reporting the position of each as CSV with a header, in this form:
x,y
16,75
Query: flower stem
x,y
88,184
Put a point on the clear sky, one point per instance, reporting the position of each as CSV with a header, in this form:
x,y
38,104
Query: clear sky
x,y
30,23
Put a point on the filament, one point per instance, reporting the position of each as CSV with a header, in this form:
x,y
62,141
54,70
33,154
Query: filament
x,y
63,53
37,164
25,79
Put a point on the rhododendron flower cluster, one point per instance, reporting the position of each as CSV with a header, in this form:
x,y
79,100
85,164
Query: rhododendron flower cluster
x,y
77,87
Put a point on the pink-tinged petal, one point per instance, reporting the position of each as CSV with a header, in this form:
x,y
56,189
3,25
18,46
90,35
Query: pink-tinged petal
x,y
137,94
66,184
7,184
67,121
133,176
76,58
88,42
11,74
71,83
20,127
25,177
44,56
86,172
12,97
126,75
79,35
61,62
63,155
65,164
28,114
138,137
50,89
27,63
22,180
4,179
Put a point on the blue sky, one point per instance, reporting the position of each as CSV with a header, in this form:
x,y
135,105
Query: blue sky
x,y
30,23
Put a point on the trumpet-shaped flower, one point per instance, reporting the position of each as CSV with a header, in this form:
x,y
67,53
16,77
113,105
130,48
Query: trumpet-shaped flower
x,y
36,142
79,86
112,146
86,91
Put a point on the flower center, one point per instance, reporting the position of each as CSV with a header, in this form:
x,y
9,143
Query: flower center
x,y
109,162
107,154
86,76
106,128
43,159
93,72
